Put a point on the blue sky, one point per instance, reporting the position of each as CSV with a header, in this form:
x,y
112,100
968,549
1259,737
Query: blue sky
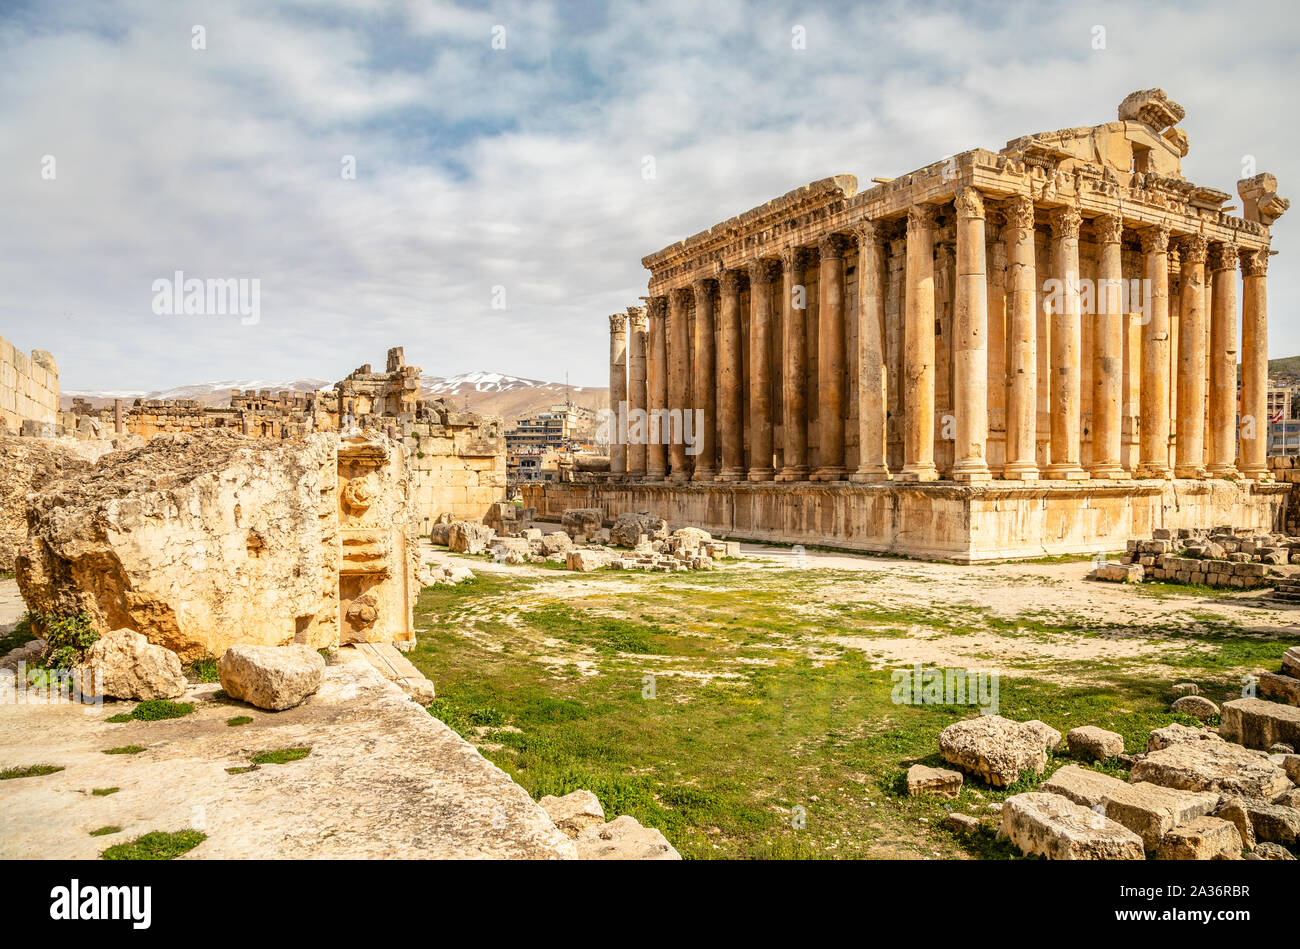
x,y
521,168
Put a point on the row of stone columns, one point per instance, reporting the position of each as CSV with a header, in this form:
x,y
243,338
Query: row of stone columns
x,y
669,369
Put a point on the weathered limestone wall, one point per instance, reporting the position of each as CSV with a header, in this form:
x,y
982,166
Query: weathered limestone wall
x,y
934,521
203,540
26,465
458,466
29,387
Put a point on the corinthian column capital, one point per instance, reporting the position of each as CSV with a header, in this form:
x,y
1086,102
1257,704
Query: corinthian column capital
x,y
1223,256
969,203
703,292
830,246
868,233
636,317
1254,263
618,322
760,272
729,282
920,217
1155,240
658,307
1109,228
1193,249
1066,223
1019,209
794,258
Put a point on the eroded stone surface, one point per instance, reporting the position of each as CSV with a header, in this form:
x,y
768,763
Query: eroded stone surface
x,y
384,779
1089,741
624,838
1175,734
1257,723
1211,766
938,781
124,665
1081,785
271,677
1054,827
574,812
997,749
1204,838
1151,811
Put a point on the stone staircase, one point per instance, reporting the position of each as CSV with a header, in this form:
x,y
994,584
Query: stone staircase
x,y
1286,592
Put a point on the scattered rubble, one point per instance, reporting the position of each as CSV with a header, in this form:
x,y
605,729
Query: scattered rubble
x,y
271,677
997,749
1219,557
1055,827
938,781
1089,741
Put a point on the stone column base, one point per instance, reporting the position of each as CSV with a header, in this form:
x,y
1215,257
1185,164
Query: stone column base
x,y
731,474
1065,472
1109,473
761,474
829,474
1020,472
924,472
870,474
793,473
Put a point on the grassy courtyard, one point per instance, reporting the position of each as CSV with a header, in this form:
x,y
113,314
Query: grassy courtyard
x,y
750,712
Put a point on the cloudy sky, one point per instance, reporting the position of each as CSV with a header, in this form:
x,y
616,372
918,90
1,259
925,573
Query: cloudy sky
x,y
488,175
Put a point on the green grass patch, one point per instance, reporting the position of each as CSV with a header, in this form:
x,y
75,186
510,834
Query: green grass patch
x,y
203,670
238,720
241,769
105,831
104,792
156,845
280,755
30,771
125,750
154,710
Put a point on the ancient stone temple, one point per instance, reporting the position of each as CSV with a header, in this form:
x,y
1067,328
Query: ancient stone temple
x,y
1001,354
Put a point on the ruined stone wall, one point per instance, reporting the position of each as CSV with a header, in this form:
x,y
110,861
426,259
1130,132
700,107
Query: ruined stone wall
x,y
203,540
29,387
458,464
965,524
26,465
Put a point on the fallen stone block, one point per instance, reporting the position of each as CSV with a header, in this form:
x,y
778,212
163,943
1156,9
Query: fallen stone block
x,y
574,812
1211,766
1151,811
1291,662
1054,827
940,781
629,528
1257,723
582,522
1196,706
1283,688
1081,785
624,838
1089,741
124,665
1204,838
469,537
556,543
962,823
997,749
1176,734
1269,851
1259,820
270,677
586,560
396,668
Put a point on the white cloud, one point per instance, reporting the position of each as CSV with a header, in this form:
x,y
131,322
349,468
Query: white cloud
x,y
522,167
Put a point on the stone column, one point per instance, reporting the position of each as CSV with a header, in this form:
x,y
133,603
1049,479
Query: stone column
x,y
657,388
118,425
831,396
760,370
1189,461
1066,335
636,391
1022,341
1223,361
1254,365
871,355
705,383
970,343
1153,448
731,381
794,366
679,381
1108,352
918,348
617,393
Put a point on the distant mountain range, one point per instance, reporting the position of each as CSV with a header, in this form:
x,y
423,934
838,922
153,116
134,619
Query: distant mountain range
x,y
492,393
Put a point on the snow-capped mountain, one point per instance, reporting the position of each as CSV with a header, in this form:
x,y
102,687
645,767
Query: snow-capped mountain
x,y
209,393
486,382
